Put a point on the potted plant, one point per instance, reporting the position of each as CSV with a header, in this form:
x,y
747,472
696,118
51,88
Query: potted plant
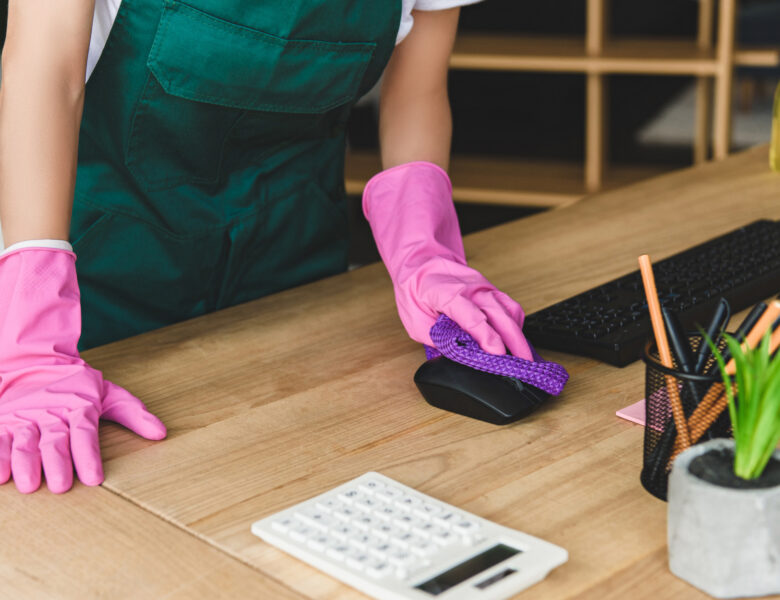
x,y
724,495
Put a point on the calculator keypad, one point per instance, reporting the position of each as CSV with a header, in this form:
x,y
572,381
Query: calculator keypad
x,y
378,529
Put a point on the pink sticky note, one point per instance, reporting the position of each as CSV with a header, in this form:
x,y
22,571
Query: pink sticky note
x,y
634,413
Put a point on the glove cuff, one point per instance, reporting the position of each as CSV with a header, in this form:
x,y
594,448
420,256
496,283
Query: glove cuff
x,y
396,177
39,244
40,308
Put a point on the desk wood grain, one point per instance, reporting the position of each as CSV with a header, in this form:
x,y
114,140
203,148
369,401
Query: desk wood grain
x,y
276,400
91,543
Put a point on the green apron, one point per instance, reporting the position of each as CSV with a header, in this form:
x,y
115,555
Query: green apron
x,y
211,154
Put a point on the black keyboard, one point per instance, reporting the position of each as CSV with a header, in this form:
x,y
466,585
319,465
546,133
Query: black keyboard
x,y
611,322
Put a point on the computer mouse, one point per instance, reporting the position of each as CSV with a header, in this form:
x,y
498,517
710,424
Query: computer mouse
x,y
460,389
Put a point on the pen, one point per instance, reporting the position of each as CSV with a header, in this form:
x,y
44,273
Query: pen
x,y
751,319
646,268
681,350
746,326
717,324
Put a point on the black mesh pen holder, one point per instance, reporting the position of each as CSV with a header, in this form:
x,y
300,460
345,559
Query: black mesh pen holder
x,y
661,384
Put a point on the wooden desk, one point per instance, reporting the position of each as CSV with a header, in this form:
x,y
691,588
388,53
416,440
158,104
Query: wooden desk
x,y
274,401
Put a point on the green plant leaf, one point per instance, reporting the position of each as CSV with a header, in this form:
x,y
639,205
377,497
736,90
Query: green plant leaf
x,y
767,432
755,408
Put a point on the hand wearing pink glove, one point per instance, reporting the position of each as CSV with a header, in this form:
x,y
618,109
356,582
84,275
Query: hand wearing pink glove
x,y
412,217
50,399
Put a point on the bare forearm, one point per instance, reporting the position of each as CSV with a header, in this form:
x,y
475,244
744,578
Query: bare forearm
x,y
38,138
41,101
418,128
415,121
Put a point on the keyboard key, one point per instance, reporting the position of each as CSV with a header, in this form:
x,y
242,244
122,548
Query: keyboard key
x,y
319,543
348,496
427,510
357,559
424,548
342,532
445,518
283,525
401,558
315,518
443,537
465,527
377,568
402,540
386,513
328,504
302,533
365,522
404,522
366,503
389,494
371,486
424,528
417,522
381,549
384,530
345,514
407,503
338,551
361,541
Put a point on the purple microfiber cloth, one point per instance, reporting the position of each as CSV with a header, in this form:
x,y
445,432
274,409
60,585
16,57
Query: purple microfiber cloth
x,y
457,345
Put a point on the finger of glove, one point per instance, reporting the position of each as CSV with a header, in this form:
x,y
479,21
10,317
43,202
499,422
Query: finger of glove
x,y
85,445
418,325
26,457
472,320
507,327
55,454
5,455
122,407
511,307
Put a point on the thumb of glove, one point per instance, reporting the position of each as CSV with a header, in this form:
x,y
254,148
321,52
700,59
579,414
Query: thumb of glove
x,y
122,407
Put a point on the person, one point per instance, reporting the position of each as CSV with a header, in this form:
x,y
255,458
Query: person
x,y
200,166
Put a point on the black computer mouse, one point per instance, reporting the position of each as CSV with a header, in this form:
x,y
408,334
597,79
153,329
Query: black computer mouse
x,y
466,391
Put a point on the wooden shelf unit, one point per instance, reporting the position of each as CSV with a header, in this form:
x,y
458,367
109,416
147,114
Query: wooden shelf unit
x,y
483,179
506,52
507,181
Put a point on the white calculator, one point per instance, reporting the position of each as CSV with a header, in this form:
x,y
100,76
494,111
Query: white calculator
x,y
395,543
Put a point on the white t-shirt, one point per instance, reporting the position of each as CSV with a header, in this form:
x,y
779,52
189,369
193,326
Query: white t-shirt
x,y
105,13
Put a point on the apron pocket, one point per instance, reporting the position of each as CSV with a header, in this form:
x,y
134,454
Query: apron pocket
x,y
206,73
135,276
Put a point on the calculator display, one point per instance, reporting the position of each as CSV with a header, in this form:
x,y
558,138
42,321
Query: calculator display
x,y
469,568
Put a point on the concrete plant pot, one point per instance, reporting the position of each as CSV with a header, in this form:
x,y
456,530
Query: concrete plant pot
x,y
724,532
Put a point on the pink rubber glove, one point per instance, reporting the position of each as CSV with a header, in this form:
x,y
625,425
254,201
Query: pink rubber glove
x,y
50,399
412,217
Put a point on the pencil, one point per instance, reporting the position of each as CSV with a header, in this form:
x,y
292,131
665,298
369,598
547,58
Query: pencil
x,y
646,268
